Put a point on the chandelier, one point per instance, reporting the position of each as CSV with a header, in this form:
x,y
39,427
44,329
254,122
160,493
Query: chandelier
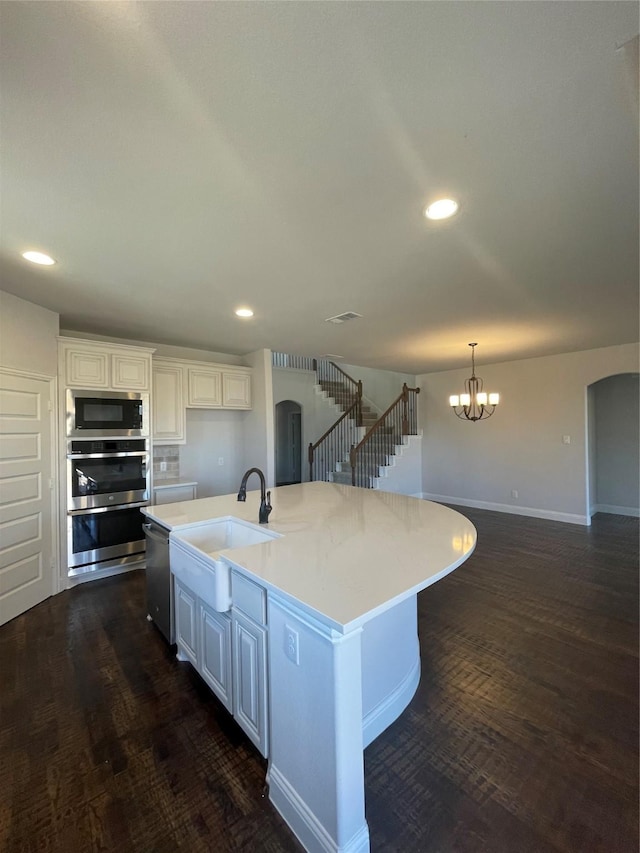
x,y
475,404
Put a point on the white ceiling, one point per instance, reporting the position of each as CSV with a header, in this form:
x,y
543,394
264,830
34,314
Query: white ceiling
x,y
180,159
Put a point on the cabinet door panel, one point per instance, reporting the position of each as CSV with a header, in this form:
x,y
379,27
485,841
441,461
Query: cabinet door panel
x,y
169,416
130,372
215,657
87,369
186,623
236,390
249,680
205,388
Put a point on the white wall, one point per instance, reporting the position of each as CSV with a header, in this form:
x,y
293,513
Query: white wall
x,y
381,387
617,475
404,477
318,414
28,336
521,446
211,435
259,429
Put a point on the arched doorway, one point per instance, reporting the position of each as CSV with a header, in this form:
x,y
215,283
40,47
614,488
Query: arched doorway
x,y
613,446
288,443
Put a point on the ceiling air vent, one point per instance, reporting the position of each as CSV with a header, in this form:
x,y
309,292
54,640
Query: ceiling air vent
x,y
342,318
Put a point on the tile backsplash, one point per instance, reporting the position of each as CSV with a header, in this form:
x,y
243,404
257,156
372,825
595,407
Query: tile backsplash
x,y
169,454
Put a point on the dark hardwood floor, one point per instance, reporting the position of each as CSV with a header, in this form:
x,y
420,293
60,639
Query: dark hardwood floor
x,y
522,736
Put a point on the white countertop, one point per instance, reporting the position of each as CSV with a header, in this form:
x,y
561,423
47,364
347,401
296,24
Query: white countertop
x,y
346,554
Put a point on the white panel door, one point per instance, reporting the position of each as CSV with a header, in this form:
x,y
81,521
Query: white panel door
x,y
26,496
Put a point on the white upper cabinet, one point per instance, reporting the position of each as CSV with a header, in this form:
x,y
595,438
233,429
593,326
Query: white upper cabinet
x,y
86,369
218,387
205,387
236,390
167,402
104,366
130,372
179,385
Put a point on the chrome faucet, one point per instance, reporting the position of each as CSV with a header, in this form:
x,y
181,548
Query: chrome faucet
x,y
265,497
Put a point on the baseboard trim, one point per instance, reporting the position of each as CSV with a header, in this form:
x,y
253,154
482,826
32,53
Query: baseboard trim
x,y
303,822
387,711
633,512
532,512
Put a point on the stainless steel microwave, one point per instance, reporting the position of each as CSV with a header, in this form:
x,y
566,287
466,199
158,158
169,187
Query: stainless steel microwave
x,y
97,414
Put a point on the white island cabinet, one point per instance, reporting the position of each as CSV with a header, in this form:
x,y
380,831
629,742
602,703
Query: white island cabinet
x,y
322,631
249,638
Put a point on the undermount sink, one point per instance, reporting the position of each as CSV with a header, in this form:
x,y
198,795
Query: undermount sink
x,y
195,559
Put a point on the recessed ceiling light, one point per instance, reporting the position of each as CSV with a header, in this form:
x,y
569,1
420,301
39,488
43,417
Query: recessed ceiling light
x,y
38,258
441,209
244,312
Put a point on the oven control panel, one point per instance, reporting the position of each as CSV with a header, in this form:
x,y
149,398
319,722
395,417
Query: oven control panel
x,y
106,445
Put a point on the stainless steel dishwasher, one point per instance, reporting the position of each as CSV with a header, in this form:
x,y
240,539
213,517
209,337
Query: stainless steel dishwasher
x,y
159,580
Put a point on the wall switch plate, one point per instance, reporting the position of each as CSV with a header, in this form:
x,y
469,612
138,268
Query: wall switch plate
x,y
291,648
163,466
514,493
220,460
566,439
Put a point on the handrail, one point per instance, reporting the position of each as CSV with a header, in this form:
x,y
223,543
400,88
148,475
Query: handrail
x,y
400,419
336,367
346,388
333,446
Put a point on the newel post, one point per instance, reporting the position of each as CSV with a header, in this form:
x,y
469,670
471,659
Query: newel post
x,y
405,409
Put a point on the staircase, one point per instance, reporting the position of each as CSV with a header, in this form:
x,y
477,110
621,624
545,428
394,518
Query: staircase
x,y
361,443
339,393
369,467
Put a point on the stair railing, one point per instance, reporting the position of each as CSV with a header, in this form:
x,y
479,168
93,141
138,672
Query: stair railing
x,y
344,389
333,446
400,419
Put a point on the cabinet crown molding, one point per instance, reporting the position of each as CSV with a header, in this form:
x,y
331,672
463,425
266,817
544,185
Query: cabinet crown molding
x,y
212,365
82,343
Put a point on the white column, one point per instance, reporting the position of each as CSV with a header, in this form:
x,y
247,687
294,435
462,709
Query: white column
x,y
316,768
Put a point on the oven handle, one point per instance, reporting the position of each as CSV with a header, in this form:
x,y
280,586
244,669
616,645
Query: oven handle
x,y
106,455
106,508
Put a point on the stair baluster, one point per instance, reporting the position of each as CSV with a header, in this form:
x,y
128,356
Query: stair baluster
x,y
333,446
400,419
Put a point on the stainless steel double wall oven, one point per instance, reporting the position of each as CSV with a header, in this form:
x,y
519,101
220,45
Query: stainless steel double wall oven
x,y
107,478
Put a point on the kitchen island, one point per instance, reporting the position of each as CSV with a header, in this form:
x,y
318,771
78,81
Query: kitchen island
x,y
330,606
